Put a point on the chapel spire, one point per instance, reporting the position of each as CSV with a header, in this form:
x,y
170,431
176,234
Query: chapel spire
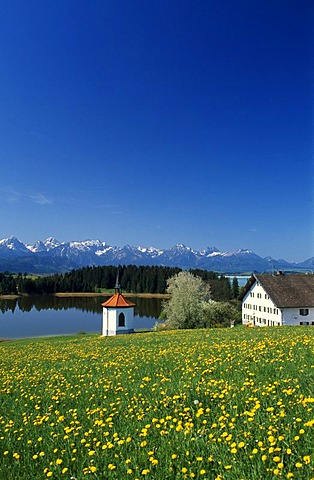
x,y
117,287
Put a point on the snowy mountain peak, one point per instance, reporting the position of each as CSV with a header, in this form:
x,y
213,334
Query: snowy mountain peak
x,y
12,247
244,251
13,243
38,246
51,242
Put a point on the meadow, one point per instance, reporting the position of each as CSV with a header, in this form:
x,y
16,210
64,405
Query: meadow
x,y
223,404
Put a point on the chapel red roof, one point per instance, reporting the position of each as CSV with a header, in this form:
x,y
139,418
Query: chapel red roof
x,y
117,300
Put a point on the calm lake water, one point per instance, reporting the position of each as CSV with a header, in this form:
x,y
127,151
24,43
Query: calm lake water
x,y
48,315
242,279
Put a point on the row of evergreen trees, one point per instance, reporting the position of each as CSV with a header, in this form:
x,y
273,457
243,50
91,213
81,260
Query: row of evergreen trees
x,y
133,279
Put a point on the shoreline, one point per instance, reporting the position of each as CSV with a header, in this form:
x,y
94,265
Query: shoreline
x,y
89,294
104,294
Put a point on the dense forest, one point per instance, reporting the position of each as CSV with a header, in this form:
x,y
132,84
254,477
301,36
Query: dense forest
x,y
132,279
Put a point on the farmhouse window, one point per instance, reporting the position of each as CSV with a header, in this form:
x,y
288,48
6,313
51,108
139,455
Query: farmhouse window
x,y
304,312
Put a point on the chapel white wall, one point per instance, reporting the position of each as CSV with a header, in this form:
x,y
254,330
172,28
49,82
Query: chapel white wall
x,y
110,324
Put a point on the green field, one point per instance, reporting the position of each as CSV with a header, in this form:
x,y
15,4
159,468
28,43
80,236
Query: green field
x,y
225,404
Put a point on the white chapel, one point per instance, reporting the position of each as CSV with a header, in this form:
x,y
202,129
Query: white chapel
x,y
118,314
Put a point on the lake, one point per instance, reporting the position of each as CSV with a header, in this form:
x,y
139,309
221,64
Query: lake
x,y
242,279
38,316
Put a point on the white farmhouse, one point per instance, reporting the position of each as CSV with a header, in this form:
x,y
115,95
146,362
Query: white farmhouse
x,y
280,299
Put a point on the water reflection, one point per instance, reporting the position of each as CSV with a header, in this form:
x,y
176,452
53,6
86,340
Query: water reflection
x,y
145,307
49,315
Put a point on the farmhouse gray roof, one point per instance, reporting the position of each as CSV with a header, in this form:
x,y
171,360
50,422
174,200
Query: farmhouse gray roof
x,y
290,290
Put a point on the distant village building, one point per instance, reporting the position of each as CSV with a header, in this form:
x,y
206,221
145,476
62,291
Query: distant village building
x,y
118,314
280,299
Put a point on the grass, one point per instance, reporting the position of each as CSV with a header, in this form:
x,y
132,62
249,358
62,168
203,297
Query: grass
x,y
225,404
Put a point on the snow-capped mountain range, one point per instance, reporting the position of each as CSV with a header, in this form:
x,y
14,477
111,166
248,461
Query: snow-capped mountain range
x,y
52,256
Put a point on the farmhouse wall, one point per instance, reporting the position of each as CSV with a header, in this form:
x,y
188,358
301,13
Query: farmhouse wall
x,y
292,316
259,309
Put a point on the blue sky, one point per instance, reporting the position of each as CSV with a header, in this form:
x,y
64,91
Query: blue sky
x,y
160,122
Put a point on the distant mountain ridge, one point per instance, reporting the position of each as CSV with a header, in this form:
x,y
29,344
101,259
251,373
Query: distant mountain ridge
x,y
52,256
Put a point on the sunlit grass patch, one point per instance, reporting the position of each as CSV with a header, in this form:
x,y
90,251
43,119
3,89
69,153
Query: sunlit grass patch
x,y
205,404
